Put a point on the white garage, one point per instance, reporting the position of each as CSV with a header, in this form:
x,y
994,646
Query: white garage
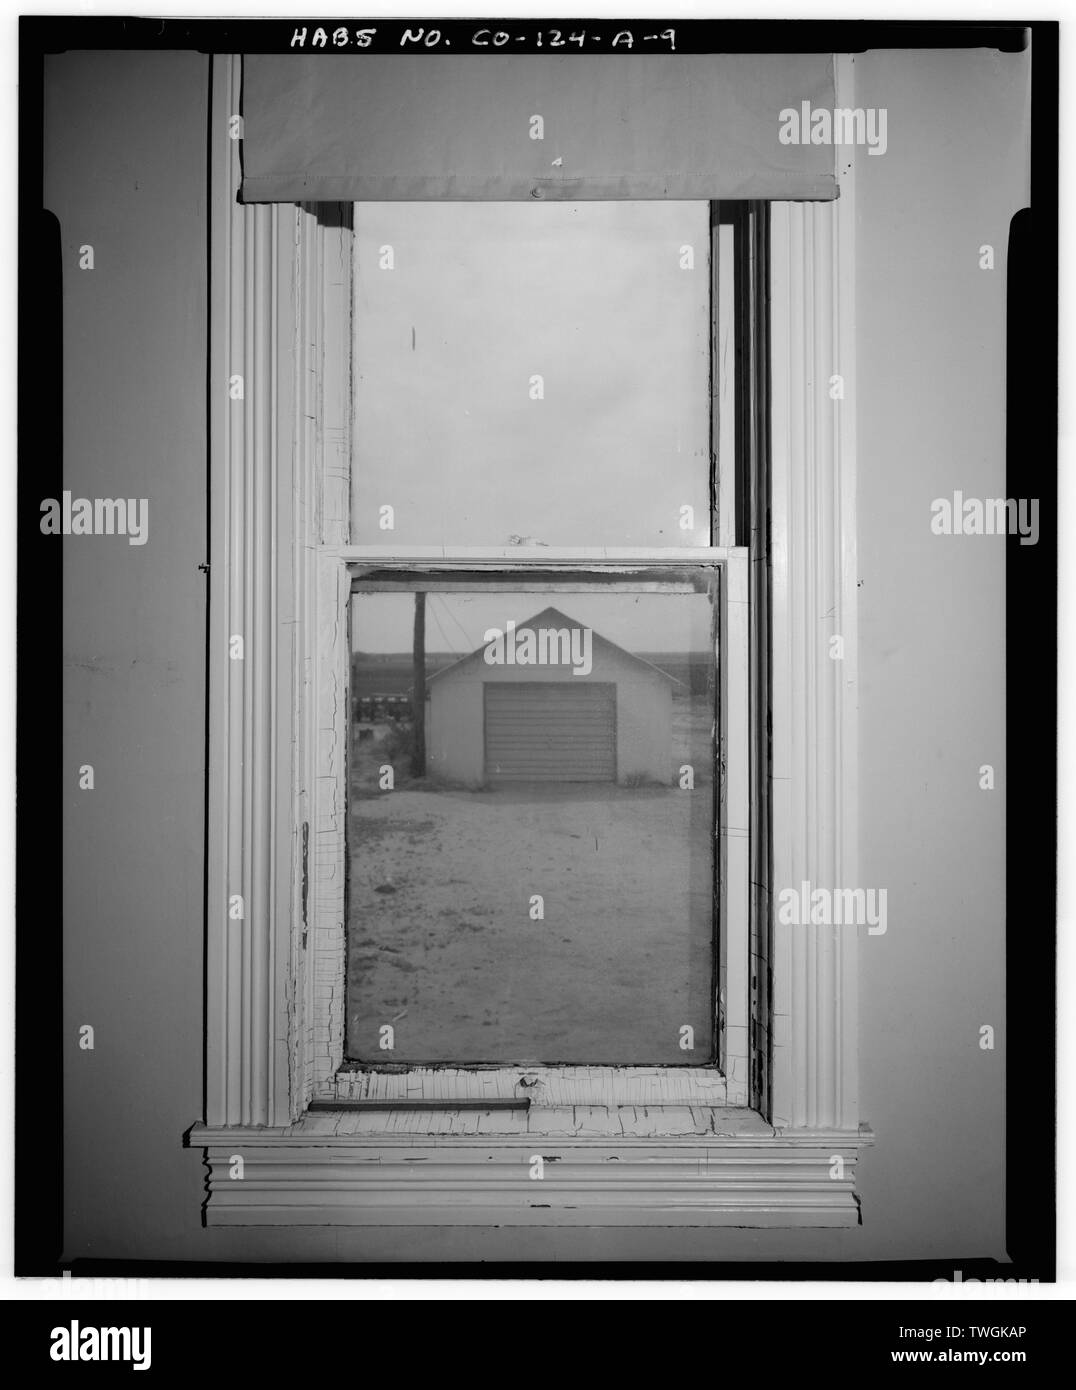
x,y
550,700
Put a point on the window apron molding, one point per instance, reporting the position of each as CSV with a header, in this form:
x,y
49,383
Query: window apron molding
x,y
277,774
320,1172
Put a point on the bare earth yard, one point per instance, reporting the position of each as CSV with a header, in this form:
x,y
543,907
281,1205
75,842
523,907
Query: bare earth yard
x,y
442,946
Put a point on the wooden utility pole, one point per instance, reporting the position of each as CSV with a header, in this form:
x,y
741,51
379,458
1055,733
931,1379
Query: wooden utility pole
x,y
418,693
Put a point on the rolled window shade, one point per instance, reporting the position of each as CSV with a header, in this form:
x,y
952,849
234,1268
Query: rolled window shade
x,y
351,128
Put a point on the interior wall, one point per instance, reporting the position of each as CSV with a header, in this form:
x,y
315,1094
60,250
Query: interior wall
x,y
126,172
930,412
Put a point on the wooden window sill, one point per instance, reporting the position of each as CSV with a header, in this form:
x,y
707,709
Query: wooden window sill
x,y
721,1167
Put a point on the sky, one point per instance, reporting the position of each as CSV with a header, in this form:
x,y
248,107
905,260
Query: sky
x,y
458,622
607,302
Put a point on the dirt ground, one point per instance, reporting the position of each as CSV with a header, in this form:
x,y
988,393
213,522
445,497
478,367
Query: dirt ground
x,y
442,944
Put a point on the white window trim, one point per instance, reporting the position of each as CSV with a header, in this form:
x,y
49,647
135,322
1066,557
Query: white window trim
x,y
280,579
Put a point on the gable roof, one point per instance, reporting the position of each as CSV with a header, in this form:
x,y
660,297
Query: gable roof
x,y
553,617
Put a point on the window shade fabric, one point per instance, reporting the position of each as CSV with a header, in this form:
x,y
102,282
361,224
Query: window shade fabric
x,y
352,128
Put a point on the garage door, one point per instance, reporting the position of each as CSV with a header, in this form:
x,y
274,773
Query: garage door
x,y
542,731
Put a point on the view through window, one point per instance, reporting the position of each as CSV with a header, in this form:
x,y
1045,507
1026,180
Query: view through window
x,y
532,373
537,885
532,816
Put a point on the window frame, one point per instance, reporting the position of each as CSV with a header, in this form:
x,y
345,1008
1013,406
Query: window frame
x,y
280,566
720,1083
553,1091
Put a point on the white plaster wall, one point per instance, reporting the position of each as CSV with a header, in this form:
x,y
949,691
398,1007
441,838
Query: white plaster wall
x,y
930,412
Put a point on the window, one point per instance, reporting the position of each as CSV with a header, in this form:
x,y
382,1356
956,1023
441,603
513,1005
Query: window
x,y
533,808
747,1133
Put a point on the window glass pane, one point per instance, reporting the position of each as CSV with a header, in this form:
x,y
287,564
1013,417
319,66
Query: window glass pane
x,y
542,889
532,371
